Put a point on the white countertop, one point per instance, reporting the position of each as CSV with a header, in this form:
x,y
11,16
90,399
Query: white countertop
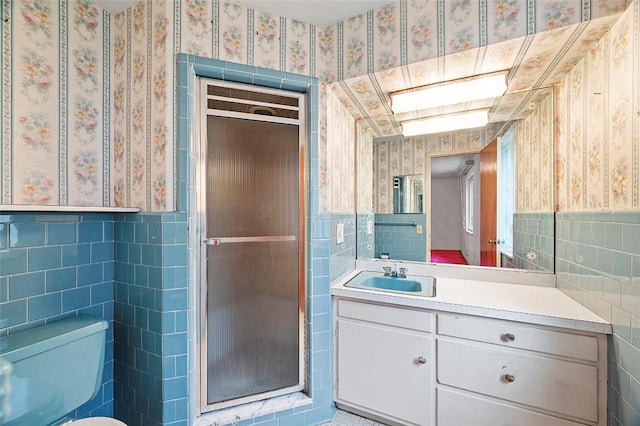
x,y
541,305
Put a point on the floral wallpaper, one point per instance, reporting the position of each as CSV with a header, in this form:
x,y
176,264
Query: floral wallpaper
x,y
341,150
597,125
96,92
406,156
55,96
142,114
245,36
410,31
534,157
364,169
540,60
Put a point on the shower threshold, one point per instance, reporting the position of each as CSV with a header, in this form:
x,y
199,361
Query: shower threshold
x,y
253,409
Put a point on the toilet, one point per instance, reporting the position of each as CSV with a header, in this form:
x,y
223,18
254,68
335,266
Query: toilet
x,y
57,367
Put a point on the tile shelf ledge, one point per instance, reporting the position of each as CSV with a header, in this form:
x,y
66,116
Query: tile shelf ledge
x,y
62,209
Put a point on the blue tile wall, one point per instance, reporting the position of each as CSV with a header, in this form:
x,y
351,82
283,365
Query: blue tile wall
x,y
151,318
342,257
366,242
319,330
54,266
533,242
400,242
598,264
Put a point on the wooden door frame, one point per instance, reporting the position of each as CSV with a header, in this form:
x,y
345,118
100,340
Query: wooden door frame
x,y
427,188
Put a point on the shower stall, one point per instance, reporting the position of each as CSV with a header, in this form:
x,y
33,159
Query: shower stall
x,y
251,202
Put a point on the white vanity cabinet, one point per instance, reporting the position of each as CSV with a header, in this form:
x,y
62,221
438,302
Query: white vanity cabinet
x,y
411,366
385,362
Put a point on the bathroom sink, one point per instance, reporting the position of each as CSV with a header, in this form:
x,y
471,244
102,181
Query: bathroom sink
x,y
416,285
388,283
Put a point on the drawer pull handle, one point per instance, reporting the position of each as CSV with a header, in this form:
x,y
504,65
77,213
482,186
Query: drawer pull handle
x,y
508,337
509,378
421,360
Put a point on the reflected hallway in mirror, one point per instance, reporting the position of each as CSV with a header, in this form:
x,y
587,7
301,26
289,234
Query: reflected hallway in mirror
x,y
455,210
450,257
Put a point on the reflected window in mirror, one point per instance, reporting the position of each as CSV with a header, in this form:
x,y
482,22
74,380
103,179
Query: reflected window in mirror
x,y
468,211
506,193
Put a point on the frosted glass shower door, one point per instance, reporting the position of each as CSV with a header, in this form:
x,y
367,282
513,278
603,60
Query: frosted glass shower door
x,y
252,227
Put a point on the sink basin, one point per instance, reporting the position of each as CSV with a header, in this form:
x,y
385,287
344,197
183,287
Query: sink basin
x,y
416,285
397,284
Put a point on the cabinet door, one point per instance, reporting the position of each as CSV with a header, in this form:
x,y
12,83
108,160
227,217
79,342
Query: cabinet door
x,y
386,370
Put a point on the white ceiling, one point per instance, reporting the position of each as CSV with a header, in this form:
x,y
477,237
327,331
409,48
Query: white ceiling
x,y
444,167
317,12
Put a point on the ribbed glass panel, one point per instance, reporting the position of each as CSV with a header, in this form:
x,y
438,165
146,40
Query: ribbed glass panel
x,y
253,311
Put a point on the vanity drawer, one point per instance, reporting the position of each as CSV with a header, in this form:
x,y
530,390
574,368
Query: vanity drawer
x,y
488,412
550,384
517,335
387,315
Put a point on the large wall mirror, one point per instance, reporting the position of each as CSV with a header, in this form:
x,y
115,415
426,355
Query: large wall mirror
x,y
515,149
462,181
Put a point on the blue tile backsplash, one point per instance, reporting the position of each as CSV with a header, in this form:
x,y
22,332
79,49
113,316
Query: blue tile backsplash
x,y
366,242
343,255
401,241
56,266
533,242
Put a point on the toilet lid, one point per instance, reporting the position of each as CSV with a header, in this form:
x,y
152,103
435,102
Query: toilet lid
x,y
97,421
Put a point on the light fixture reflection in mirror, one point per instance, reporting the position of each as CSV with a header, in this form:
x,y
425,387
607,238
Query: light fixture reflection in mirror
x,y
446,123
464,90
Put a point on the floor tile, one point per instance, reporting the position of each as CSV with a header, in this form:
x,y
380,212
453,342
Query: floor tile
x,y
343,418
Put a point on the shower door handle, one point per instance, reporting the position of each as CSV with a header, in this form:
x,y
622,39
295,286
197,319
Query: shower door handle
x,y
213,241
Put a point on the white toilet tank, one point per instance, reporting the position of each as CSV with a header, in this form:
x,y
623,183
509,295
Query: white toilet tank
x,y
57,367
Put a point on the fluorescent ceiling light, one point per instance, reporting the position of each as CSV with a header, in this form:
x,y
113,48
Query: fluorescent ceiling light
x,y
446,123
454,92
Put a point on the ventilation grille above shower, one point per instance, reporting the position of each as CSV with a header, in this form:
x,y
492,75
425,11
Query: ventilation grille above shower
x,y
267,104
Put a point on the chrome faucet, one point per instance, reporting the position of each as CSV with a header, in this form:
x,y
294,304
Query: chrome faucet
x,y
395,273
